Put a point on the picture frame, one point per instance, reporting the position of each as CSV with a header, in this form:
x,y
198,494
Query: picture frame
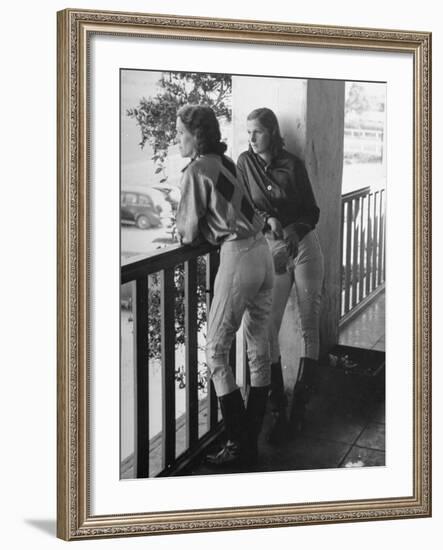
x,y
77,414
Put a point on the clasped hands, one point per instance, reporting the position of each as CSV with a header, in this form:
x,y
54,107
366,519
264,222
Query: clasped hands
x,y
290,237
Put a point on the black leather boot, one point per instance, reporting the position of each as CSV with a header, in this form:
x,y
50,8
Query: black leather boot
x,y
234,452
255,412
277,398
303,389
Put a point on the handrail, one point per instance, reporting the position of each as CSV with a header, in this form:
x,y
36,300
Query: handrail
x,y
146,264
362,192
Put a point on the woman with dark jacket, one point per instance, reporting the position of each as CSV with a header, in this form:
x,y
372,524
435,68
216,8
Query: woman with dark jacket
x,y
281,192
214,207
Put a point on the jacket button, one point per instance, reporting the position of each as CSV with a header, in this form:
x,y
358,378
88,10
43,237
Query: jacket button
x,y
269,188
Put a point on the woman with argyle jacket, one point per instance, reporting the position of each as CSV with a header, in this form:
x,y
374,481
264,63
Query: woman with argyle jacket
x,y
214,207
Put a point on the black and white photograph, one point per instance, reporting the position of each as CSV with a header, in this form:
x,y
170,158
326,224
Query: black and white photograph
x,y
253,265
243,274
220,229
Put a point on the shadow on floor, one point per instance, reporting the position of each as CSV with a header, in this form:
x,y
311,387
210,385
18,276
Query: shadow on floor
x,y
48,526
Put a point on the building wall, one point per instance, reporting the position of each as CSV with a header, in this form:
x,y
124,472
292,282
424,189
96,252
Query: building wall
x,y
311,117
285,96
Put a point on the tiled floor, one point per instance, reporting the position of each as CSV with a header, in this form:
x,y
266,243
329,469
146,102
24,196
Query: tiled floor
x,y
346,418
368,329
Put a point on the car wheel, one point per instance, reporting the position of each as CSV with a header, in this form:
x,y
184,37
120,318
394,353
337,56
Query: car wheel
x,y
142,222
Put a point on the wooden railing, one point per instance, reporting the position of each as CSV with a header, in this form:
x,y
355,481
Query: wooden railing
x,y
165,264
362,248
363,261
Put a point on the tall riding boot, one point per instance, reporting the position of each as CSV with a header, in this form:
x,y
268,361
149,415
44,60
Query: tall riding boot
x,y
277,399
255,412
303,389
234,416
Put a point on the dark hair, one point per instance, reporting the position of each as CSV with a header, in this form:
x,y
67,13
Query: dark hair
x,y
201,121
269,121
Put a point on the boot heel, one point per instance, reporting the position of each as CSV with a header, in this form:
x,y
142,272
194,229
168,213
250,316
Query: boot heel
x,y
234,417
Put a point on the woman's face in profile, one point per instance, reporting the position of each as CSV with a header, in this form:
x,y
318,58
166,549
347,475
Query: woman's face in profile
x,y
186,141
258,137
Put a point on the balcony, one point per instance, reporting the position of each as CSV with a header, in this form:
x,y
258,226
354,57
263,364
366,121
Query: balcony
x,y
175,415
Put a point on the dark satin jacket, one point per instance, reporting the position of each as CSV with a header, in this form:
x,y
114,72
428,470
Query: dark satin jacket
x,y
280,189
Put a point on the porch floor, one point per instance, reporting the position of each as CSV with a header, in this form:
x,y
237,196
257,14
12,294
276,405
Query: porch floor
x,y
345,424
368,329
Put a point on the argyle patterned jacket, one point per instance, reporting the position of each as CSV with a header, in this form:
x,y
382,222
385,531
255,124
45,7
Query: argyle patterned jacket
x,y
214,205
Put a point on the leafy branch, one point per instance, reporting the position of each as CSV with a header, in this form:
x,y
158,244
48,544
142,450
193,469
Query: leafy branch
x,y
156,116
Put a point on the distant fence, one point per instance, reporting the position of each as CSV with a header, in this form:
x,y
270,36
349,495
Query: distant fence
x,y
363,141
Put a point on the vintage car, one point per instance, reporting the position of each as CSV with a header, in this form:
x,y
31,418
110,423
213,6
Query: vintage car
x,y
138,207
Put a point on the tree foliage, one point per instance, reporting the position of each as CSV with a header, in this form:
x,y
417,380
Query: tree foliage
x,y
154,311
361,99
157,115
155,317
356,100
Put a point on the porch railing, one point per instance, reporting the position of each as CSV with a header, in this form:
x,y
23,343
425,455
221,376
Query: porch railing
x,y
165,265
362,248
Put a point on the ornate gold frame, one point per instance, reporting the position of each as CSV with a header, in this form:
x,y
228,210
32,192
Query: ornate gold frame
x,y
73,515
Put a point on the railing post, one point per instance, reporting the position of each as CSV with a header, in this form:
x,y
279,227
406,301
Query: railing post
x,y
349,218
368,248
375,244
381,240
362,252
342,254
141,378
356,211
191,352
246,370
168,364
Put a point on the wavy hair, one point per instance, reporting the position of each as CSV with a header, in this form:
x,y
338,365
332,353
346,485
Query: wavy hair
x,y
202,123
266,117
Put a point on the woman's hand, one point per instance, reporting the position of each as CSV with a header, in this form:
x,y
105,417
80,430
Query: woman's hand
x,y
292,244
275,227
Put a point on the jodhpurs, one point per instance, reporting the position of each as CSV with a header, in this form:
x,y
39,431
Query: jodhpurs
x,y
243,290
306,273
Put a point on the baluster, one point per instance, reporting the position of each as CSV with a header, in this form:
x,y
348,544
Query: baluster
x,y
375,244
233,357
342,257
168,364
191,365
246,371
349,217
368,248
384,241
362,252
141,378
356,211
381,244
